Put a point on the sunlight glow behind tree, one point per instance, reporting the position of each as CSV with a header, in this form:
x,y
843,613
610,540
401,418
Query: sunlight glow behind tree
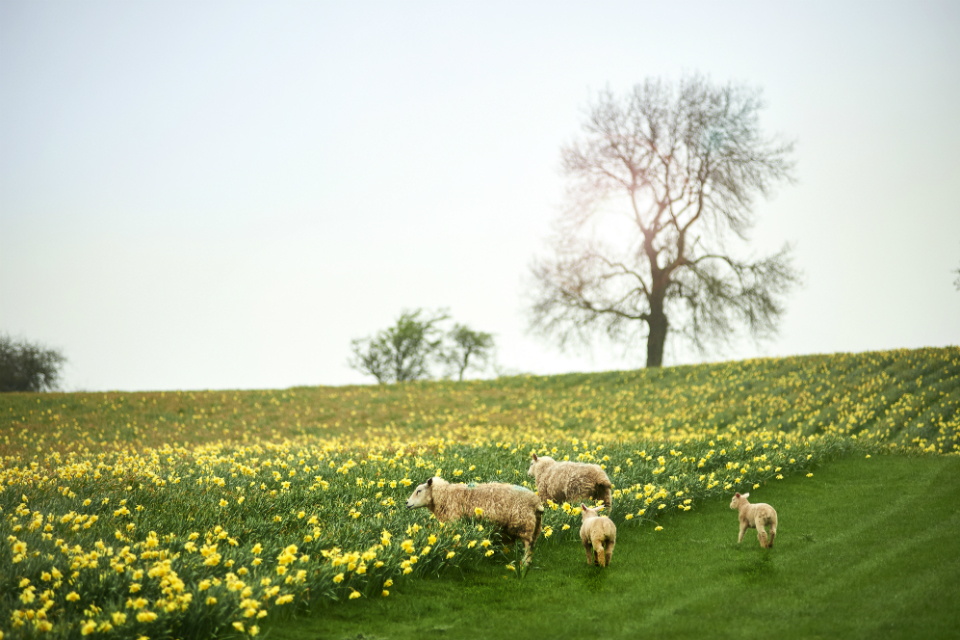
x,y
683,166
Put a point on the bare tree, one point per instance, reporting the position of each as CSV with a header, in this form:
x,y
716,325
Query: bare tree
x,y
659,184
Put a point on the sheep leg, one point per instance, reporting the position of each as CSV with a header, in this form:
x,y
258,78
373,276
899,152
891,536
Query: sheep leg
x,y
599,552
762,536
773,534
590,555
610,546
527,552
743,530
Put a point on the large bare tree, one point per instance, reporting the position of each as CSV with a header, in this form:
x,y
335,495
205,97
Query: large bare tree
x,y
661,193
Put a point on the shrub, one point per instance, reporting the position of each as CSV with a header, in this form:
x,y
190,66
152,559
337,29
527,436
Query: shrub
x,y
28,367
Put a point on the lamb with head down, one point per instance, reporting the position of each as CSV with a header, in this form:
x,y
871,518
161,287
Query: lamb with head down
x,y
570,481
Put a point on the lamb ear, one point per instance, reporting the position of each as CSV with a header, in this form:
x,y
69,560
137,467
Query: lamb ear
x,y
430,482
736,495
534,457
746,495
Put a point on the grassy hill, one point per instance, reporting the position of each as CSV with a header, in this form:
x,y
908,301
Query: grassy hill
x,y
905,397
188,514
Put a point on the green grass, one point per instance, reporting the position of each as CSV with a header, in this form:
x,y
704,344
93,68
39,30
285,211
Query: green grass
x,y
867,548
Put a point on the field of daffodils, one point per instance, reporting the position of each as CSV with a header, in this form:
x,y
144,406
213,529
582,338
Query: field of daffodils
x,y
202,514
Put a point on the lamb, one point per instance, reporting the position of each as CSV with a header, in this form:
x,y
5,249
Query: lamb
x,y
755,516
516,510
567,481
598,534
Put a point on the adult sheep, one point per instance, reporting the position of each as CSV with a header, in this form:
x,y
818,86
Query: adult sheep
x,y
570,481
516,510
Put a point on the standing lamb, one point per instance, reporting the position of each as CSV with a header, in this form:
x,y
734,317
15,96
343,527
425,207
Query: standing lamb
x,y
515,509
598,534
755,516
567,481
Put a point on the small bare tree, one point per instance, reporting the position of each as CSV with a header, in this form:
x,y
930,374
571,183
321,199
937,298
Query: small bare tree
x,y
409,349
679,169
467,348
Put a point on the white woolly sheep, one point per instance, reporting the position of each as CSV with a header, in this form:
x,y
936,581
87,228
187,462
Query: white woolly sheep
x,y
516,510
569,481
755,516
598,534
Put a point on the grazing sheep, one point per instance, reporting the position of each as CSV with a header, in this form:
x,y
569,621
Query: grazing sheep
x,y
755,516
568,481
515,509
598,534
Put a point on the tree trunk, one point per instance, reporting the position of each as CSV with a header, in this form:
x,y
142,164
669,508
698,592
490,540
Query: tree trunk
x,y
657,322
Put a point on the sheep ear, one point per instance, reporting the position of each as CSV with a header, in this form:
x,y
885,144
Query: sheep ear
x,y
583,506
534,457
430,482
736,495
746,495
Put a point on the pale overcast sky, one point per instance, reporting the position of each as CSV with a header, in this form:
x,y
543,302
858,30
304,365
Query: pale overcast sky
x,y
208,195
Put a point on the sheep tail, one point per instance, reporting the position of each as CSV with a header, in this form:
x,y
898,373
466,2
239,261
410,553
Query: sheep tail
x,y
529,544
539,526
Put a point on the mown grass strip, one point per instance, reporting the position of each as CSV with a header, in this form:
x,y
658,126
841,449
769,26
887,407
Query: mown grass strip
x,y
867,548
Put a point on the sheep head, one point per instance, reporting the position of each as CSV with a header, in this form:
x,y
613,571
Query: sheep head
x,y
587,513
537,462
422,496
737,497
